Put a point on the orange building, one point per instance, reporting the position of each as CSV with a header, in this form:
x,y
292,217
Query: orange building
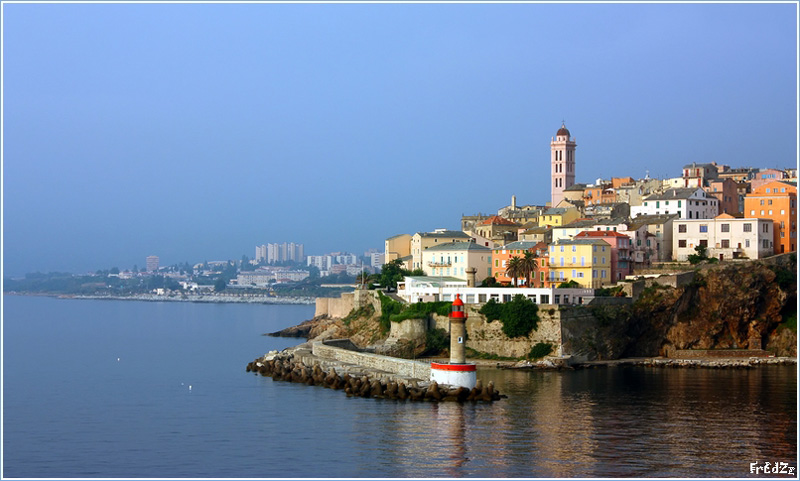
x,y
501,256
776,201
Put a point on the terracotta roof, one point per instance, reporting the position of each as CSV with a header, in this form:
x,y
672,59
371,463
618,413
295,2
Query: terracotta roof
x,y
563,131
497,220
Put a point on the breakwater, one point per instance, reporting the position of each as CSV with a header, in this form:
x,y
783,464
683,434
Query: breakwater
x,y
358,381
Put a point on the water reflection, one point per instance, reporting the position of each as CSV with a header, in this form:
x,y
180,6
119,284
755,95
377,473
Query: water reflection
x,y
615,422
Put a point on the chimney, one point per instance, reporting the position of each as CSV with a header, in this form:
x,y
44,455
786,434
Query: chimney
x,y
471,276
513,202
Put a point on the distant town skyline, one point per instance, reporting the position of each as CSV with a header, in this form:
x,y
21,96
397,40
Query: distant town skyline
x,y
198,131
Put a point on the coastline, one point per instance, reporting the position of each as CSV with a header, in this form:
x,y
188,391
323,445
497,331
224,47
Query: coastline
x,y
200,298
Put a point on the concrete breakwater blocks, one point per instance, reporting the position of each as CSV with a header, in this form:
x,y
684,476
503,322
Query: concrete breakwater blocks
x,y
290,367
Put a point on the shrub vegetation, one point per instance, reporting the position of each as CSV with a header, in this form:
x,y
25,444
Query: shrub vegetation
x,y
519,317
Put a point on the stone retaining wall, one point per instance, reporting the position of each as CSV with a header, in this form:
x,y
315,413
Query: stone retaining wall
x,y
718,353
401,367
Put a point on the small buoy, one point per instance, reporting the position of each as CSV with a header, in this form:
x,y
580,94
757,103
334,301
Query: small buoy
x,y
190,387
117,359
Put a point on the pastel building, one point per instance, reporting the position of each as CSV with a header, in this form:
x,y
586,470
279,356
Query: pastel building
x,y
456,259
688,203
725,237
396,247
621,247
585,261
776,201
423,240
501,256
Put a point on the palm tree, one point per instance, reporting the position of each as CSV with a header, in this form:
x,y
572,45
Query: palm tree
x,y
529,265
514,269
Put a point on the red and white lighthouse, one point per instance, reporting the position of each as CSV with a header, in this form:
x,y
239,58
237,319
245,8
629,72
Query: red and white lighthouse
x,y
457,372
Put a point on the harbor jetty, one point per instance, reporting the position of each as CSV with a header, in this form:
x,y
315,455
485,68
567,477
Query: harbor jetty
x,y
339,366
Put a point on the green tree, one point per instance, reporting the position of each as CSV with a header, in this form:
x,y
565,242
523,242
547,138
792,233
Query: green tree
x,y
514,269
519,317
529,266
220,284
701,255
391,273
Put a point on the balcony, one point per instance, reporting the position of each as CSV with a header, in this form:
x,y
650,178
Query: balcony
x,y
439,264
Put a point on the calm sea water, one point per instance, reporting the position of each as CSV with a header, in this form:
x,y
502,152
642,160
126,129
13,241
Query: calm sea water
x,y
102,389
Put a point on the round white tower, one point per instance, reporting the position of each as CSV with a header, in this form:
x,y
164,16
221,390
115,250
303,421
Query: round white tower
x,y
562,164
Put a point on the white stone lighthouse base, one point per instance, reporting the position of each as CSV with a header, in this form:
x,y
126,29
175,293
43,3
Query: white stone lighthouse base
x,y
459,375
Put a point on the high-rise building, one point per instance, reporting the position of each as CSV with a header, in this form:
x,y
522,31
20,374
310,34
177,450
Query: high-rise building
x,y
562,164
151,263
280,252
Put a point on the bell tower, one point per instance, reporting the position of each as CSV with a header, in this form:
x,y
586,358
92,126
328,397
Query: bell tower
x,y
562,164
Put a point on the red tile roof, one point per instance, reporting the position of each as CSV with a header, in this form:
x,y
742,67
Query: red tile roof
x,y
497,220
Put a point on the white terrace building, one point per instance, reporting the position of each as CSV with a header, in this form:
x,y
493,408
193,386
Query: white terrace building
x,y
428,289
456,258
725,237
688,203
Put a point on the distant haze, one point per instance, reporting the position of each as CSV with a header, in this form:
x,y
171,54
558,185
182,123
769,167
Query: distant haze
x,y
196,132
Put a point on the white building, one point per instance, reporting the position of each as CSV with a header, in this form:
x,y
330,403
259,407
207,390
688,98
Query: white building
x,y
725,237
377,259
427,289
688,203
455,258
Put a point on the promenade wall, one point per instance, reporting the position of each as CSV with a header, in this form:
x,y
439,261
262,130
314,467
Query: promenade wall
x,y
401,367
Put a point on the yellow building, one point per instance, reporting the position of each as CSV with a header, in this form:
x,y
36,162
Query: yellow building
x,y
423,240
397,247
585,261
558,216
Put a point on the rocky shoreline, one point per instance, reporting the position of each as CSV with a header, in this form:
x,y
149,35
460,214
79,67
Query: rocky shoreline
x,y
661,362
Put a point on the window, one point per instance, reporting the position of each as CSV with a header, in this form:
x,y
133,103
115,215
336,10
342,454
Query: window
x,y
765,227
725,228
769,202
679,204
682,243
761,202
704,242
767,190
725,243
682,228
752,212
747,227
703,227
747,242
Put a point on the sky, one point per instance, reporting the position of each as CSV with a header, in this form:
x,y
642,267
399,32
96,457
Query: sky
x,y
196,132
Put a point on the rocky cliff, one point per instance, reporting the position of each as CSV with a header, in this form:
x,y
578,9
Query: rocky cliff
x,y
750,305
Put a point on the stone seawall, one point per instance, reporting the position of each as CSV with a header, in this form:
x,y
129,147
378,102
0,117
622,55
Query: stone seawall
x,y
402,367
340,307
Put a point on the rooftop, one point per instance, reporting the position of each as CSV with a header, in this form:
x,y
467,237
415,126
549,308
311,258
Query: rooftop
x,y
497,220
457,246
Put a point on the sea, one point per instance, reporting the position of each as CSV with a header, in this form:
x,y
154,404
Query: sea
x,y
132,389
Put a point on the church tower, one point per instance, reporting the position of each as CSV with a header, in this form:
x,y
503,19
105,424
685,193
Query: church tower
x,y
562,164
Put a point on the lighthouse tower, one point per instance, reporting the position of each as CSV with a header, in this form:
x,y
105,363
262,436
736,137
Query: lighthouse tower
x,y
457,372
562,164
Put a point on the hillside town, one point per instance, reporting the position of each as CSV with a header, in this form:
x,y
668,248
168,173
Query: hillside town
x,y
591,236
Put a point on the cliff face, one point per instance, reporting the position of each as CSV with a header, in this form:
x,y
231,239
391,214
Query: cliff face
x,y
746,306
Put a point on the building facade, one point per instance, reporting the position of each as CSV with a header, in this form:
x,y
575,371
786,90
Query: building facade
x,y
585,261
455,259
725,237
776,201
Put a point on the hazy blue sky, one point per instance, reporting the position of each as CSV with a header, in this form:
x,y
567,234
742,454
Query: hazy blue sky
x,y
195,132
